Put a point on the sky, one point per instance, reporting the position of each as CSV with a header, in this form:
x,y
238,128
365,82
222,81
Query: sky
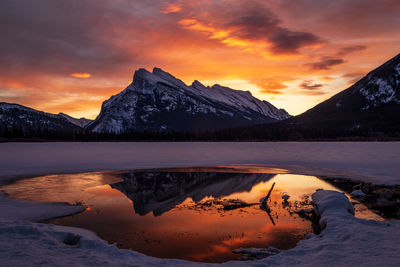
x,y
71,55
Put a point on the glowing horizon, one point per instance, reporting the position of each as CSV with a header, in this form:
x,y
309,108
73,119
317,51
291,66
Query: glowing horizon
x,y
295,60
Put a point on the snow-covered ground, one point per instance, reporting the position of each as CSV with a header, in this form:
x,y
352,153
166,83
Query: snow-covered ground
x,y
346,240
12,209
376,162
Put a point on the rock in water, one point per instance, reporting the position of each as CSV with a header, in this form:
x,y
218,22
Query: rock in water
x,y
72,239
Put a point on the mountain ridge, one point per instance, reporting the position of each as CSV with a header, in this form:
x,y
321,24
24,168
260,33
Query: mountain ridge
x,y
370,108
378,88
18,117
157,101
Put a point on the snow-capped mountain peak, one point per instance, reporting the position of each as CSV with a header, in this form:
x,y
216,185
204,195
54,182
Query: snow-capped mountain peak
x,y
168,78
197,85
158,101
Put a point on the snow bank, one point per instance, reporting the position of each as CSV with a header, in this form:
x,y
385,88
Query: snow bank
x,y
345,241
11,209
23,243
331,206
375,162
30,244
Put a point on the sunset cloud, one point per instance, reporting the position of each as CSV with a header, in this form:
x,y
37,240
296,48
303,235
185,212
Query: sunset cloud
x,y
311,88
353,77
172,8
271,46
271,87
325,63
308,85
245,22
81,75
351,49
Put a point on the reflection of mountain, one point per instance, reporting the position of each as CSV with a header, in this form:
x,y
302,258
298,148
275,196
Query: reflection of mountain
x,y
161,191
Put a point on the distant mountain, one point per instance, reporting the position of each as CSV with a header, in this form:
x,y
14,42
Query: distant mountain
x,y
82,122
157,101
17,117
371,107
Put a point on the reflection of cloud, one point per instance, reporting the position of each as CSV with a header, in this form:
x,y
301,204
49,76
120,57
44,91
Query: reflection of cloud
x,y
325,63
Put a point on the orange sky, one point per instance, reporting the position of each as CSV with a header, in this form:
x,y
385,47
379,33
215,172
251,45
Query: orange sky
x,y
71,55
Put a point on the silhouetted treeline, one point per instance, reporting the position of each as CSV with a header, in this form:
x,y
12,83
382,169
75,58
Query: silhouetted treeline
x,y
269,132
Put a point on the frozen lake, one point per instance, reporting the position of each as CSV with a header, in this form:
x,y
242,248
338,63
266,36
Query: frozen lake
x,y
351,240
369,161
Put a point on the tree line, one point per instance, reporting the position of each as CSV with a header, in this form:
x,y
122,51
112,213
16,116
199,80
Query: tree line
x,y
269,132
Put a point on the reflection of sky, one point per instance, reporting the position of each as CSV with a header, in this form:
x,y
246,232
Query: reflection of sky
x,y
62,57
185,231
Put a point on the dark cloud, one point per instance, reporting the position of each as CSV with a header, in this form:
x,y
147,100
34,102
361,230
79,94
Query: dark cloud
x,y
65,36
353,76
342,18
309,85
310,88
325,63
253,20
288,42
351,49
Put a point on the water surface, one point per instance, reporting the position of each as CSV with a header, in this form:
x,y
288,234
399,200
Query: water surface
x,y
181,212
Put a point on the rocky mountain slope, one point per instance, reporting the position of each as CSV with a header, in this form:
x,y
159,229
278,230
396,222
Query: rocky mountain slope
x,y
369,108
21,118
157,101
372,101
81,122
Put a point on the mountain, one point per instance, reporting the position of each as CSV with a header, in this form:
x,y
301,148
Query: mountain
x,y
157,101
82,122
27,121
368,109
373,101
158,106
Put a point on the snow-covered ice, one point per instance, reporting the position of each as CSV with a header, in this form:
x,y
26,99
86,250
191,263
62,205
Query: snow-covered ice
x,y
12,209
31,244
376,162
357,193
